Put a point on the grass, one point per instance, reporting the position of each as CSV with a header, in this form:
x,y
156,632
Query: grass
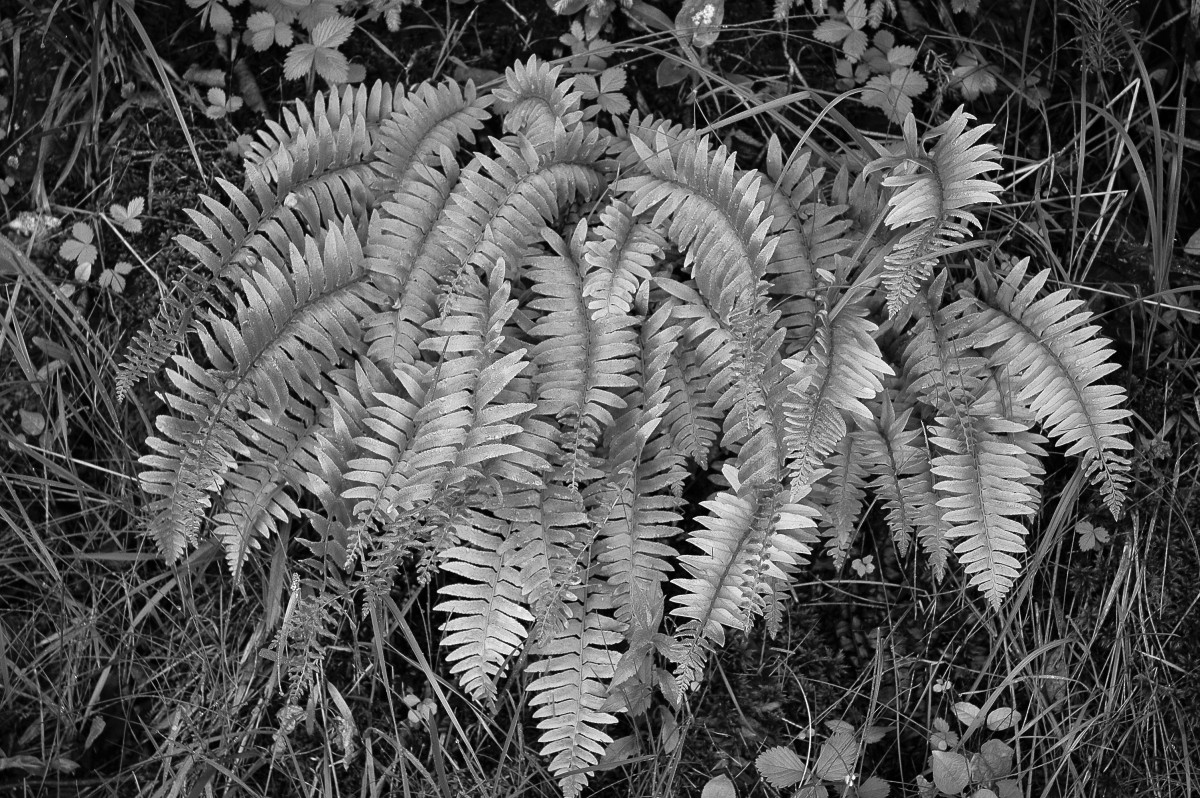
x,y
119,676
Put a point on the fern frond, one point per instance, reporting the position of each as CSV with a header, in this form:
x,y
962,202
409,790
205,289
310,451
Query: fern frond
x,y
690,420
1054,360
488,621
843,497
792,277
936,189
636,515
711,212
585,362
720,584
455,427
356,104
725,582
840,370
289,331
533,100
573,670
895,461
495,211
429,121
984,487
162,336
619,258
256,499
549,528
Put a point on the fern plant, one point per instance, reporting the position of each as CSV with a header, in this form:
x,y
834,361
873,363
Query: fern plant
x,y
489,360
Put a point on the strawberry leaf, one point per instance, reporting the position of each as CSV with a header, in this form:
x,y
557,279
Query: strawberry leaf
x,y
126,216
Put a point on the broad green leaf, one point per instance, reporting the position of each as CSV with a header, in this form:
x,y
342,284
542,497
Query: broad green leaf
x,y
782,767
966,712
838,757
1003,718
719,787
950,771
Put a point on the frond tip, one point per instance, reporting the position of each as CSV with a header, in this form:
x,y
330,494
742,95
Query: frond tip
x,y
931,207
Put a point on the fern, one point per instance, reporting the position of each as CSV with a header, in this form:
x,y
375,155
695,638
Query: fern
x,y
931,209
492,367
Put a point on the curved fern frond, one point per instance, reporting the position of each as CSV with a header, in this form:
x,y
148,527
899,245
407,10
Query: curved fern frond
x,y
358,104
256,499
720,585
787,196
711,211
319,186
619,258
936,189
495,211
290,330
690,420
533,100
1054,360
426,123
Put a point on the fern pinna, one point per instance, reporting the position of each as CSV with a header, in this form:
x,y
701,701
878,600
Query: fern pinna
x,y
488,358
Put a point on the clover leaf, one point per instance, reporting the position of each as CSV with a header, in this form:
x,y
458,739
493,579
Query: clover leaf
x,y
80,249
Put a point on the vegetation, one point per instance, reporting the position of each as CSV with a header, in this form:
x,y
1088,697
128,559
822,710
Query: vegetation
x,y
457,440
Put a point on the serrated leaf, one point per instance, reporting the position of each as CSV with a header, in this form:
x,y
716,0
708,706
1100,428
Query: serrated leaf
x,y
832,31
855,44
874,787
79,247
856,13
320,53
972,77
951,774
838,726
126,216
332,31
838,757
902,55
219,104
781,767
32,422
